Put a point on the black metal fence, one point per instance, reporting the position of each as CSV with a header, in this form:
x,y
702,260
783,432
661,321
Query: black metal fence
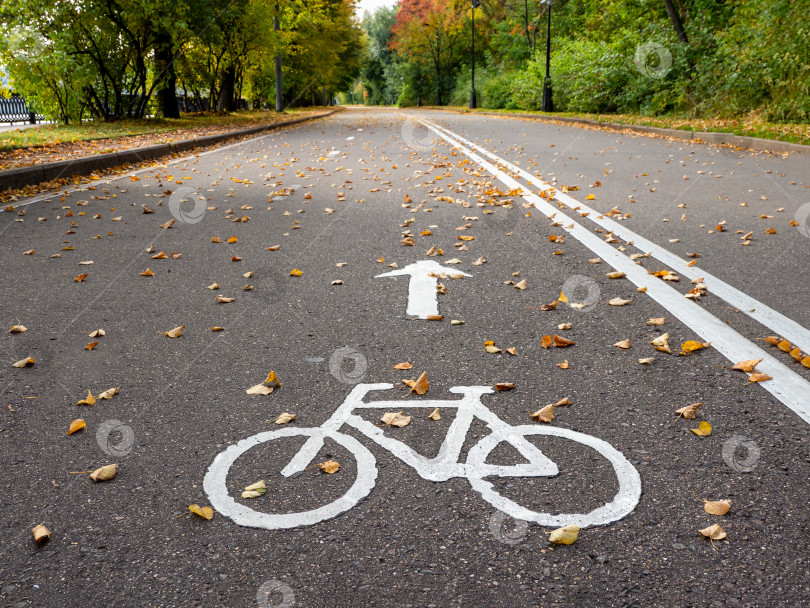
x,y
16,109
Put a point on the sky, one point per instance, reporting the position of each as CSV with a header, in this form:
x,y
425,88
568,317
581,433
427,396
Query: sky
x,y
371,6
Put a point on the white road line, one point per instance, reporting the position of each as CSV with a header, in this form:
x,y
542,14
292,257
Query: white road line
x,y
783,326
786,385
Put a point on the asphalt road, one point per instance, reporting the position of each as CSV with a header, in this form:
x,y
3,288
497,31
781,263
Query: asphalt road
x,y
335,196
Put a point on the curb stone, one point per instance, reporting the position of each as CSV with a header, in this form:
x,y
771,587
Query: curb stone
x,y
45,172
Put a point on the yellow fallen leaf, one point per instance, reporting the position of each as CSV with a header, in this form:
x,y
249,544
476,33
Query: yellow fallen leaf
x,y
563,365
561,342
284,418
147,273
295,273
619,302
456,322
616,274
272,377
80,277
522,285
89,400
76,425
715,532
41,534
330,466
662,343
717,507
421,385
492,349
692,345
176,332
656,321
546,341
704,429
225,299
624,344
747,366
259,389
396,419
255,490
567,534
759,377
159,256
17,329
512,351
504,386
109,393
404,365
204,512
434,415
104,473
27,362
647,360
90,346
215,328
545,414
690,410
642,289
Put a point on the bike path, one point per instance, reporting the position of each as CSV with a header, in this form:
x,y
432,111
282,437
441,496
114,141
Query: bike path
x,y
410,541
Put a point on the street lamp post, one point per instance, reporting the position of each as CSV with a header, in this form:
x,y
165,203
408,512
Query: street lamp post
x,y
548,104
475,5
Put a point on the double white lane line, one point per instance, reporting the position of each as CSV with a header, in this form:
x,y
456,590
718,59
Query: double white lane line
x,y
787,386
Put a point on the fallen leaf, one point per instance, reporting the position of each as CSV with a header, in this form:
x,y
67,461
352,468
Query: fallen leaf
x,y
561,342
656,321
147,273
546,341
717,507
80,277
715,532
624,344
109,393
204,512
619,302
159,256
396,419
295,273
759,377
690,411
565,326
168,224
259,389
225,299
512,351
704,429
17,329
595,260
216,239
76,425
550,306
90,346
41,534
104,473
213,286
522,285
747,366
330,466
434,415
404,365
176,332
215,328
89,400
617,274
284,418
563,365
421,385
27,362
691,346
456,322
255,490
491,349
504,386
566,535
662,343
98,333
545,414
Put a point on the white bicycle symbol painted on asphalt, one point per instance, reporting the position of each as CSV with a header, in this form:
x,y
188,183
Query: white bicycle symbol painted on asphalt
x,y
443,467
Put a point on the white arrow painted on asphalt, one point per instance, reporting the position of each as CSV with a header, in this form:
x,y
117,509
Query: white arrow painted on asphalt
x,y
422,298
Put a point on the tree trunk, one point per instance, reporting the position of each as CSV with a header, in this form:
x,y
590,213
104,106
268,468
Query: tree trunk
x,y
165,73
675,18
225,103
